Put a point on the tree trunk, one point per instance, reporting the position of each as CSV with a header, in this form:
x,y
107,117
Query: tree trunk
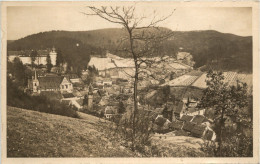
x,y
135,107
220,132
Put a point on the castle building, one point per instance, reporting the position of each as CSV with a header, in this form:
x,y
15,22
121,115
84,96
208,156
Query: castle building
x,y
41,59
50,83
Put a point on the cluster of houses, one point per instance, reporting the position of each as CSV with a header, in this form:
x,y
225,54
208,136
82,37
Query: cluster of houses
x,y
184,118
112,89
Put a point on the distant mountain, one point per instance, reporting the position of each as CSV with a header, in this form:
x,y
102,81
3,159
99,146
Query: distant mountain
x,y
210,49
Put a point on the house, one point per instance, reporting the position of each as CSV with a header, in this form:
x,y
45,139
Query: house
x,y
161,124
198,131
50,83
176,125
186,118
110,112
188,126
113,66
199,119
179,110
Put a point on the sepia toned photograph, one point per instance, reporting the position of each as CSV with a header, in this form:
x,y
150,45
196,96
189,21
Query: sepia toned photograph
x,y
123,80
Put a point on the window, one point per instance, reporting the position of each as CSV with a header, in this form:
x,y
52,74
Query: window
x,y
66,86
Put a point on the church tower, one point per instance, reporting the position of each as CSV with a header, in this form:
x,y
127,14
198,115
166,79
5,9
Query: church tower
x,y
53,56
35,82
90,97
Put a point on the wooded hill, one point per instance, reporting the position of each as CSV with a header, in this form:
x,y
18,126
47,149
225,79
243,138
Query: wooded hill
x,y
210,49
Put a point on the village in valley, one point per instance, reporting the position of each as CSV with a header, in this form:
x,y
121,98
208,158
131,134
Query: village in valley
x,y
110,93
150,102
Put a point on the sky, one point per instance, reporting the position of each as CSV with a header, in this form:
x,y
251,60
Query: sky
x,y
27,20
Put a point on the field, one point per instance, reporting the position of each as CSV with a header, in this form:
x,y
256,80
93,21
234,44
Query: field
x,y
35,134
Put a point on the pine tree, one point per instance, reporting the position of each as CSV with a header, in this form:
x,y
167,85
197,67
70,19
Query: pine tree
x,y
49,65
59,59
33,56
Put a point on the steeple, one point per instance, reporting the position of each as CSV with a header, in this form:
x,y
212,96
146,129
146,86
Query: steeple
x,y
90,89
35,82
53,49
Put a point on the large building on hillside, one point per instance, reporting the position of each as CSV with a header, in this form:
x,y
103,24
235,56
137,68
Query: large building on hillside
x,y
116,67
113,66
41,59
197,80
50,83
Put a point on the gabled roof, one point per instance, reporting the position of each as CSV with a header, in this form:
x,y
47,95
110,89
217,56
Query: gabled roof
x,y
229,77
176,125
80,102
198,130
198,119
160,121
109,62
67,95
178,109
182,81
186,118
50,82
191,110
188,126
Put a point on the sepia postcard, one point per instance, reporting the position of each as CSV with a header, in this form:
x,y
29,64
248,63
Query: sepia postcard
x,y
130,82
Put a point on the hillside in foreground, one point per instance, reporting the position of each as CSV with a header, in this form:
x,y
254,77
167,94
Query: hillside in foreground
x,y
35,134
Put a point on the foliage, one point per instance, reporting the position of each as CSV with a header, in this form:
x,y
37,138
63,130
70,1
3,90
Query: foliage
x,y
228,102
141,41
92,73
59,59
18,71
17,98
143,130
121,108
233,52
34,54
48,61
75,56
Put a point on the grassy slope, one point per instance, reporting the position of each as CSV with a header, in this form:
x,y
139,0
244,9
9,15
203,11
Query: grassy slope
x,y
34,134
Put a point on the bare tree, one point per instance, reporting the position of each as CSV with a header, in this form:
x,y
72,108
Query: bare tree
x,y
142,42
